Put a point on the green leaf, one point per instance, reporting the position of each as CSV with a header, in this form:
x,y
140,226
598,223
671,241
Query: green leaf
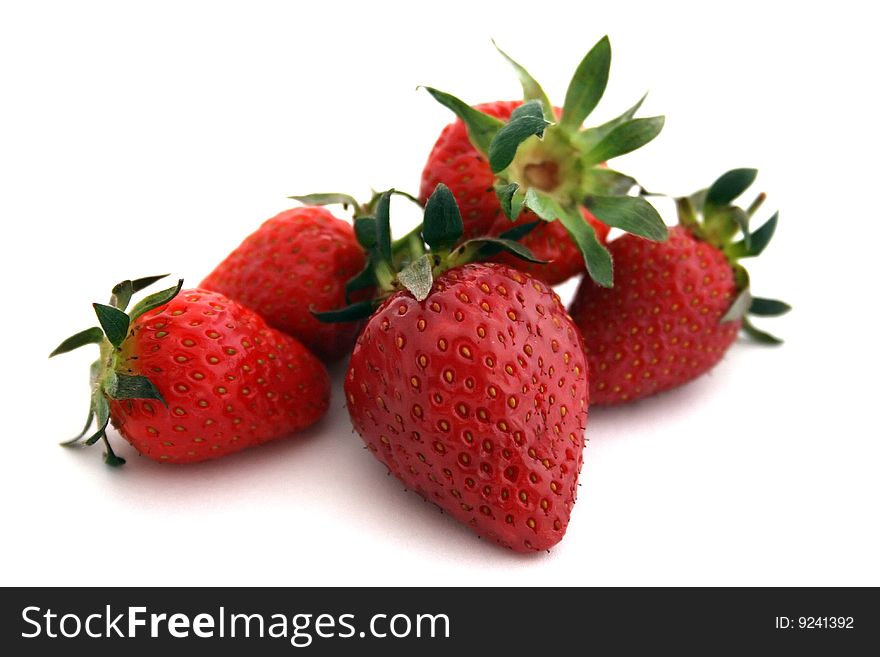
x,y
490,246
739,307
354,312
155,300
365,232
768,307
531,89
442,226
729,186
630,213
417,277
92,335
758,335
328,198
607,182
624,139
127,386
121,295
596,257
510,197
587,139
526,121
587,85
481,127
113,321
383,226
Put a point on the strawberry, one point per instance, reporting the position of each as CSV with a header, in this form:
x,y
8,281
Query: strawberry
x,y
455,162
191,375
294,263
521,162
469,382
678,306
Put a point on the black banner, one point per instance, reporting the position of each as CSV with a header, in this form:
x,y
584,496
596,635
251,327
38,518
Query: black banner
x,y
431,621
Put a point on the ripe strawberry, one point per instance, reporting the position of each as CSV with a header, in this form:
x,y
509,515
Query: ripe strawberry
x,y
520,162
678,306
469,382
476,398
192,375
455,162
296,262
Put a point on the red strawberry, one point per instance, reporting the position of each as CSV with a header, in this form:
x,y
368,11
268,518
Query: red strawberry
x,y
294,263
456,163
476,398
192,375
677,306
469,382
524,161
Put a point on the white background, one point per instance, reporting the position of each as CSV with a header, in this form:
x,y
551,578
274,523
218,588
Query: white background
x,y
143,138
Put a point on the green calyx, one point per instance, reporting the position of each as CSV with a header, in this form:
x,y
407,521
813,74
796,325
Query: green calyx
x,y
106,380
553,166
414,261
711,216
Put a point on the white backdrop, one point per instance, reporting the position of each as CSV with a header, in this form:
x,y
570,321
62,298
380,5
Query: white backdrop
x,y
143,138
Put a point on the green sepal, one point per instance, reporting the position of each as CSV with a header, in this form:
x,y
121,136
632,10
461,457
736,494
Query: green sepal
x,y
624,138
739,308
526,121
587,86
383,226
531,89
687,216
632,214
155,300
481,127
510,198
588,138
123,291
102,415
128,386
363,280
417,276
518,232
365,232
79,436
442,226
768,307
759,240
607,182
95,437
490,246
93,335
596,257
328,198
729,186
351,313
758,335
114,322
720,224
110,457
121,295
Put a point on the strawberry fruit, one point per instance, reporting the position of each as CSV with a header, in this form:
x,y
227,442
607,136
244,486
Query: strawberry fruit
x,y
677,306
521,162
294,263
470,384
191,375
